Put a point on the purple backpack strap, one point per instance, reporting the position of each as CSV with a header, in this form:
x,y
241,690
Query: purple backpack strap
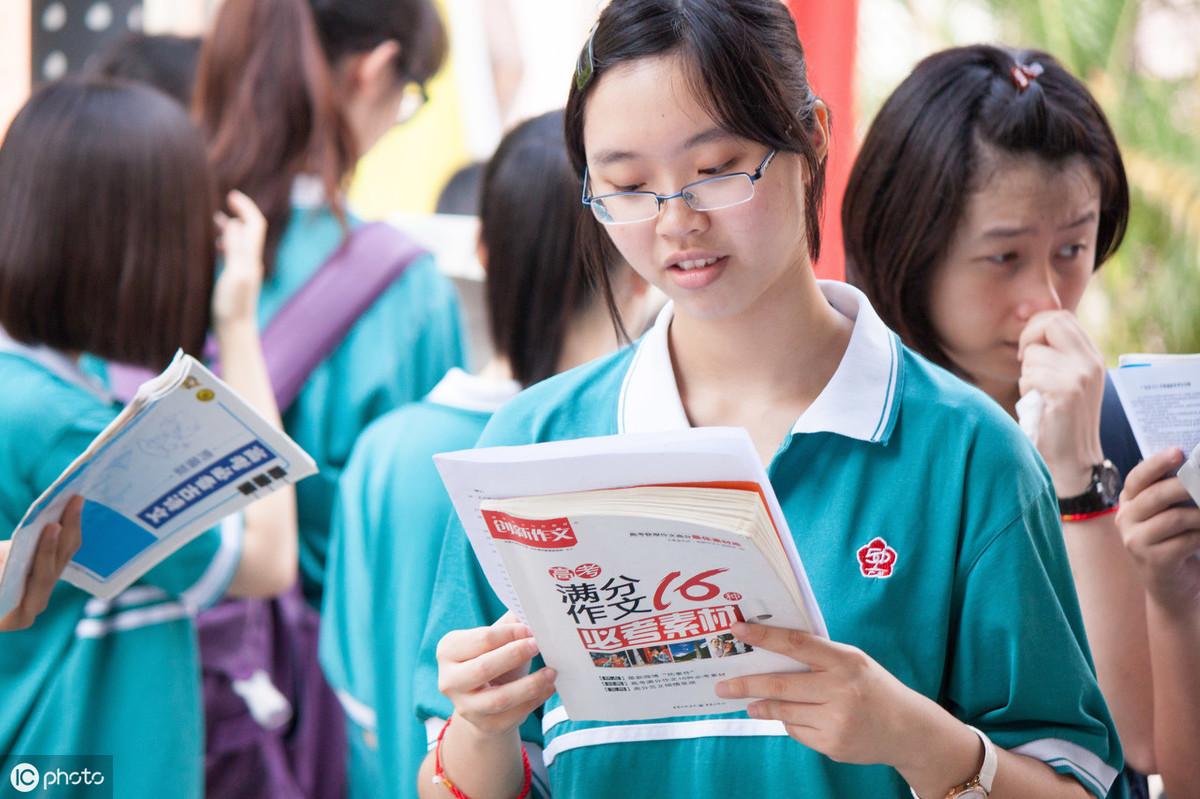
x,y
315,320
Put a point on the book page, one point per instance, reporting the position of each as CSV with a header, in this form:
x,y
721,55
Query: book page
x,y
1161,398
185,454
696,455
635,612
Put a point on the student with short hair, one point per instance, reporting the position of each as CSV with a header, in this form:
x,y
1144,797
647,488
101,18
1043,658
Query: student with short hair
x,y
961,669
290,93
107,250
392,510
987,192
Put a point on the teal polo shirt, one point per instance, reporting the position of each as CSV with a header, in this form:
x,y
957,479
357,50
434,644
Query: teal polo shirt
x,y
394,354
389,521
94,677
929,530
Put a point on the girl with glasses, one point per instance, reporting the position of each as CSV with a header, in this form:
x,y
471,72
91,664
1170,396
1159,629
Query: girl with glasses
x,y
290,94
958,669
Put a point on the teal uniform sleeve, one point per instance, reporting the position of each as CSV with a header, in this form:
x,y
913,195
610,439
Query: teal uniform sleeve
x,y
395,354
1022,671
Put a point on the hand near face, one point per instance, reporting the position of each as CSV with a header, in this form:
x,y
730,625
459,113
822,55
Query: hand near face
x,y
848,707
235,297
1061,362
1160,525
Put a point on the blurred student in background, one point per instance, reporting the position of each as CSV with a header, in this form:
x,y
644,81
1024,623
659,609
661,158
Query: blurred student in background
x,y
123,169
544,317
290,94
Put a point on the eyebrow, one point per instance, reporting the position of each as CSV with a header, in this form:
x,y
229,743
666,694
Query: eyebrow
x,y
610,157
1011,232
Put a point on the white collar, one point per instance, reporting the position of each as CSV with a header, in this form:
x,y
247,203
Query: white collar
x,y
858,401
468,392
57,364
308,191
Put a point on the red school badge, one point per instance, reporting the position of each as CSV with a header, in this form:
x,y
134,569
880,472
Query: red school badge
x,y
876,559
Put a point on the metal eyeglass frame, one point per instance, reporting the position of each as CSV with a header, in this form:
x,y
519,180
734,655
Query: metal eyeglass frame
x,y
682,193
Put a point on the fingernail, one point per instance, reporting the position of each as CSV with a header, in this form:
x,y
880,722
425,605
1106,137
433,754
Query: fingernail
x,y
754,712
739,628
531,646
550,674
724,690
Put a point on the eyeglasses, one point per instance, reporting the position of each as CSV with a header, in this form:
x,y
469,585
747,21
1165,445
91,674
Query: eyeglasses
x,y
710,194
412,100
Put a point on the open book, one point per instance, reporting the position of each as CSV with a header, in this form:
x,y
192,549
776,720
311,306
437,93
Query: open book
x,y
1161,398
183,454
630,557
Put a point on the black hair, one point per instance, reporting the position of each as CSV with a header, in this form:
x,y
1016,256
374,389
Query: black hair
x,y
529,215
168,63
460,195
745,64
926,151
107,240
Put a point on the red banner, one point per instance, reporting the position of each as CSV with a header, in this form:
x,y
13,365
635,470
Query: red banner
x,y
829,31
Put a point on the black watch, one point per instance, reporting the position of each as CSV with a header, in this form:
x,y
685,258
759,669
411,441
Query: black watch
x,y
1101,494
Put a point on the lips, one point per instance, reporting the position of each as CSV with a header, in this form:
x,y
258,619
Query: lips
x,y
696,273
698,263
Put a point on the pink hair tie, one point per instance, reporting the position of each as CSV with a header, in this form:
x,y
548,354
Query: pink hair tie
x,y
1023,75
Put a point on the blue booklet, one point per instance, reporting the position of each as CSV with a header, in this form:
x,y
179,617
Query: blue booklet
x,y
185,453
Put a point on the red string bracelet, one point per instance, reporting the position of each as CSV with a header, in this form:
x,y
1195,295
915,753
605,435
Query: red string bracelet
x,y
1083,517
439,776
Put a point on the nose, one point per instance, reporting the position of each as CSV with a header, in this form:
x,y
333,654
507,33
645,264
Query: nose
x,y
1039,291
677,220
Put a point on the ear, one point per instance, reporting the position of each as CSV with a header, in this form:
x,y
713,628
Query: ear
x,y
821,133
371,72
481,252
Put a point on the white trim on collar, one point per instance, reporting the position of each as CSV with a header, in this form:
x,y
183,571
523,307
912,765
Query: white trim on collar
x,y
58,365
858,401
468,392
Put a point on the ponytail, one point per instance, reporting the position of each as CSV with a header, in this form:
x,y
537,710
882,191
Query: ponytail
x,y
266,103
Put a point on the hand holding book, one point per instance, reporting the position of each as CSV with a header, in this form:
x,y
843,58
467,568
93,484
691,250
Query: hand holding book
x,y
485,673
1161,527
59,543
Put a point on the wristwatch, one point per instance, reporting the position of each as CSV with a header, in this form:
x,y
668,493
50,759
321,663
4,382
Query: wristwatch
x,y
1101,493
979,786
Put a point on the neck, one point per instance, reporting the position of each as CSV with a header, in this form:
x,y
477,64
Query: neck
x,y
784,349
589,335
1005,393
497,369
